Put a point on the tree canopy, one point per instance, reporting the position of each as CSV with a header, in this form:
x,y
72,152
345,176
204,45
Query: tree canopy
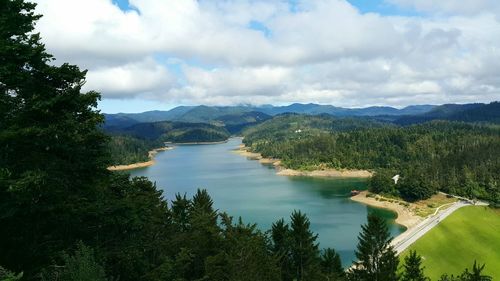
x,y
457,158
377,259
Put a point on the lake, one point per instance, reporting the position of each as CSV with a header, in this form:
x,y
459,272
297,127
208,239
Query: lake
x,y
247,188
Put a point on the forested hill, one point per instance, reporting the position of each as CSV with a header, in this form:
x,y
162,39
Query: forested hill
x,y
132,144
298,126
234,121
459,158
475,112
167,131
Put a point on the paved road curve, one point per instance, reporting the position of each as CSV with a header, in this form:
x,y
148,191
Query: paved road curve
x,y
409,237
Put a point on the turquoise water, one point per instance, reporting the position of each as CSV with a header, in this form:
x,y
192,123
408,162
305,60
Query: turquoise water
x,y
246,188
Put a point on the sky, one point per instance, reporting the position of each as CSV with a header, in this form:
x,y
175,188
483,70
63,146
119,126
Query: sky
x,y
156,54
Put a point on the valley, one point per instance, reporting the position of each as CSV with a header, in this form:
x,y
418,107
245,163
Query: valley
x,y
235,140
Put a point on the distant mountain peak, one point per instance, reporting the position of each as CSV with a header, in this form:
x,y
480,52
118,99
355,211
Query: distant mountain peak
x,y
206,113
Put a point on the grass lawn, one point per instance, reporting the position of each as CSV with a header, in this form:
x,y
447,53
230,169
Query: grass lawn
x,y
469,233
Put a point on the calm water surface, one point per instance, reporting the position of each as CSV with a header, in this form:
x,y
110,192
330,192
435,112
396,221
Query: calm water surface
x,y
246,188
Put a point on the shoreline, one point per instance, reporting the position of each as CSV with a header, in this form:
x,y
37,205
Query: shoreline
x,y
281,171
200,142
151,155
333,173
405,216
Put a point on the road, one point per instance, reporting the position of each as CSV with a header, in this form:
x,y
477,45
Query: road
x,y
409,237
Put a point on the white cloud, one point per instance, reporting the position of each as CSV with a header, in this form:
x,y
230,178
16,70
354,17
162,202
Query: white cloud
x,y
326,51
242,81
141,78
92,32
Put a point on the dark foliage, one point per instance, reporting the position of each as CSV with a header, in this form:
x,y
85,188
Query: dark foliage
x,y
413,269
377,260
297,252
331,265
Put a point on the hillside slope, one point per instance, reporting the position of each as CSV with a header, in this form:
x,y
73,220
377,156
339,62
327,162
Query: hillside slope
x,y
471,233
168,131
131,144
476,112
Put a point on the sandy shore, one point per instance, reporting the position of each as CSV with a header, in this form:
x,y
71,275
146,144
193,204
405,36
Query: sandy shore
x,y
406,216
243,151
151,155
131,166
326,173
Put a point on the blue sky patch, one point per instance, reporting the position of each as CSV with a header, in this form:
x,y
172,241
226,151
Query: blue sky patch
x,y
259,26
382,7
125,6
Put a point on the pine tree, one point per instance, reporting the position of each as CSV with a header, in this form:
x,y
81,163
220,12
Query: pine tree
x,y
377,260
382,182
331,265
413,270
203,239
280,235
180,212
304,249
202,202
52,154
245,254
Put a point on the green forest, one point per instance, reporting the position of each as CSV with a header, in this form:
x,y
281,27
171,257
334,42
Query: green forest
x,y
168,131
453,157
64,216
132,143
125,149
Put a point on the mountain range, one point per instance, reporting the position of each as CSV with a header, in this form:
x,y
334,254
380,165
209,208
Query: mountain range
x,y
203,113
236,118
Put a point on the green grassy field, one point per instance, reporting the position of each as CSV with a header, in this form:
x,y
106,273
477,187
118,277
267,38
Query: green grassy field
x,y
469,233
